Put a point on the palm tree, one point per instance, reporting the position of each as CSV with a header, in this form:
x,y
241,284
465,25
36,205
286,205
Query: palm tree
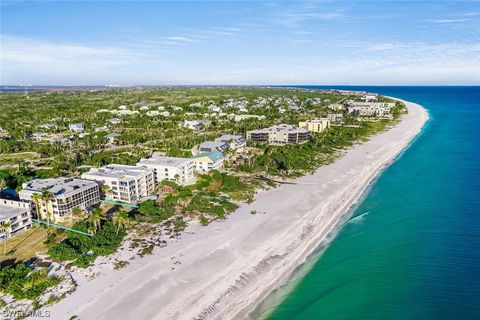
x,y
5,226
78,213
121,220
47,196
95,219
36,197
106,191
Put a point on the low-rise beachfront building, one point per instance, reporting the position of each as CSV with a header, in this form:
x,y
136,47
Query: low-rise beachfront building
x,y
204,162
236,142
66,194
211,146
76,127
315,125
123,183
279,134
379,109
179,170
16,214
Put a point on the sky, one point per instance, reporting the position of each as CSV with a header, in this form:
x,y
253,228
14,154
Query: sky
x,y
239,42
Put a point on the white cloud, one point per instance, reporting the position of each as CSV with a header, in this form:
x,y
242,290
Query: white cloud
x,y
40,60
181,40
293,14
323,62
447,21
30,52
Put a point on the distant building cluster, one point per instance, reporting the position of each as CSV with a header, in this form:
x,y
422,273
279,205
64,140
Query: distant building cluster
x,y
377,109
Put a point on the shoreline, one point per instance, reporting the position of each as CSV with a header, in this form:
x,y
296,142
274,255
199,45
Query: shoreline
x,y
342,218
226,269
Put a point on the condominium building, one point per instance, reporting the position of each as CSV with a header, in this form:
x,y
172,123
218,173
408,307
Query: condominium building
x,y
123,183
379,109
17,214
179,170
67,194
279,134
315,125
204,162
236,142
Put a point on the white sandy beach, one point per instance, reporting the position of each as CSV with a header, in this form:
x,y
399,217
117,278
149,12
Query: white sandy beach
x,y
224,270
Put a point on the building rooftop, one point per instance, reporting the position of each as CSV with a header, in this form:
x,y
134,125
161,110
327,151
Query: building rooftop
x,y
228,137
214,155
164,161
7,212
281,127
59,186
318,120
214,144
117,171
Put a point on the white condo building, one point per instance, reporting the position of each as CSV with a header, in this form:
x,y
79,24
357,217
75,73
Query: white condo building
x,y
17,214
379,109
67,194
125,183
179,170
279,134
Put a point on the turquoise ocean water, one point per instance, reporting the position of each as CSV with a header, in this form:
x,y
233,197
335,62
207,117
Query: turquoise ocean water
x,y
412,247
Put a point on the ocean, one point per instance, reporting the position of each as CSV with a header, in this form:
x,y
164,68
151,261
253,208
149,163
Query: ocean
x,y
412,247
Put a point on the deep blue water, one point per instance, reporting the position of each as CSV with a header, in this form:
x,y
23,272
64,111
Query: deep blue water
x,y
413,252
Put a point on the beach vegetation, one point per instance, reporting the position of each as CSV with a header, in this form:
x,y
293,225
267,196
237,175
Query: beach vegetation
x,y
82,250
23,282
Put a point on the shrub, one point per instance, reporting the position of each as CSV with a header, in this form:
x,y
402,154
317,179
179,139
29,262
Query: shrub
x,y
77,248
24,283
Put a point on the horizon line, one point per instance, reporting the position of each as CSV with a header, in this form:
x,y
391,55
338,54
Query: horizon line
x,y
113,86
